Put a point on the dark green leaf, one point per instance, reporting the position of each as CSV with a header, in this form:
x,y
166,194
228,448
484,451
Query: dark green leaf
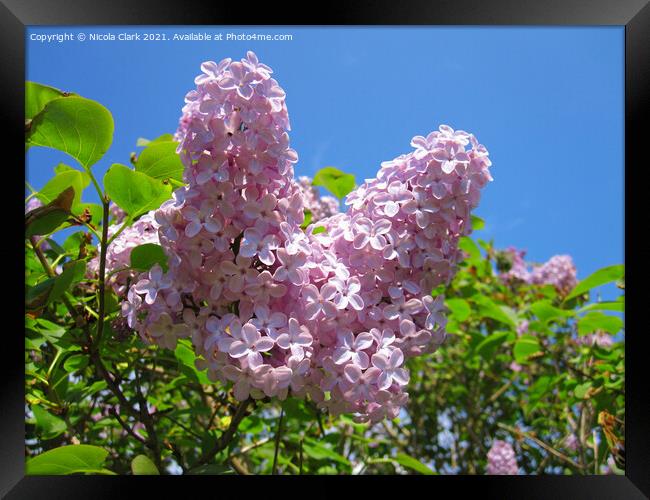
x,y
490,344
144,257
47,425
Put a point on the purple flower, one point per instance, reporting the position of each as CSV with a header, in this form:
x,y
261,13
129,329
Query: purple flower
x,y
390,369
352,349
253,243
501,459
295,338
247,341
153,285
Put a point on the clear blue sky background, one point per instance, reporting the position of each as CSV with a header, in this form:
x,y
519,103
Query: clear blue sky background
x,y
548,103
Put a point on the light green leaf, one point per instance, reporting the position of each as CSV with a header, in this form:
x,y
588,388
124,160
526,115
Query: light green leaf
x,y
600,277
525,347
71,271
134,192
76,362
143,466
48,425
618,306
80,127
62,167
160,161
546,312
57,184
593,321
319,451
145,142
487,347
477,223
186,357
413,463
335,181
489,309
67,460
319,229
144,257
580,390
468,245
37,96
460,308
307,220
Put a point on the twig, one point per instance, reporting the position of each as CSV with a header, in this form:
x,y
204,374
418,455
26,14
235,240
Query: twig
x,y
238,466
126,427
278,434
226,437
548,448
102,274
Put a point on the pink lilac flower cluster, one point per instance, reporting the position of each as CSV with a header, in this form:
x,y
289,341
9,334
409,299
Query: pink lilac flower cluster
x,y
278,310
319,206
501,459
558,271
118,253
116,213
599,338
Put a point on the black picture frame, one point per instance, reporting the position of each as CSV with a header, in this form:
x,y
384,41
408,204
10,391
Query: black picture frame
x,y
16,15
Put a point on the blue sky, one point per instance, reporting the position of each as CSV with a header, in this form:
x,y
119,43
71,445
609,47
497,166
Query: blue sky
x,y
548,103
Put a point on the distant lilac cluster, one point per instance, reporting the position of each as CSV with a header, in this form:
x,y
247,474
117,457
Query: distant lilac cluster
x,y
319,206
32,204
558,271
118,254
279,310
501,459
599,338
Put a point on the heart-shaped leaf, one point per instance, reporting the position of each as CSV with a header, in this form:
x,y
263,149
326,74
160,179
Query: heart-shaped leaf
x,y
77,126
67,460
134,192
160,161
336,182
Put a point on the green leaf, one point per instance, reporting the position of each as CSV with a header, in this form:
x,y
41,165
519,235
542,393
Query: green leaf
x,y
468,245
186,357
477,223
60,182
319,229
37,296
62,167
488,309
46,223
546,312
48,425
75,362
72,271
593,321
580,390
460,308
134,192
413,463
600,277
307,220
487,347
80,127
618,306
525,347
145,142
336,182
319,451
67,460
37,96
143,466
144,257
160,161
